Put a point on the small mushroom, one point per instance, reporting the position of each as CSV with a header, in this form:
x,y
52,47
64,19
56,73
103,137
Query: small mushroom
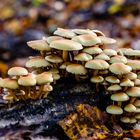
x,y
130,108
8,98
52,38
137,82
137,116
110,52
114,87
137,103
125,119
134,64
98,33
102,56
118,59
131,76
112,79
115,110
83,31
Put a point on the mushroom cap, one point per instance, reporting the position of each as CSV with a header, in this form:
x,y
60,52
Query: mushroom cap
x,y
127,82
98,33
119,68
131,76
66,45
130,108
137,116
83,31
115,110
118,59
112,79
137,110
97,79
53,38
87,39
47,88
133,120
39,45
124,51
110,52
9,83
28,80
131,52
97,64
76,69
64,33
125,119
119,97
17,71
56,76
83,57
92,50
54,59
133,91
64,65
137,103
107,40
114,87
134,64
53,70
102,56
137,82
43,78
37,62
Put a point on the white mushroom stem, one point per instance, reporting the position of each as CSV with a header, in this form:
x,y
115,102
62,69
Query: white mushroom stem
x,y
40,91
65,56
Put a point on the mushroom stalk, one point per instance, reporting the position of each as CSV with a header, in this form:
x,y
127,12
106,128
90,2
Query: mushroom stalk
x,y
65,56
132,100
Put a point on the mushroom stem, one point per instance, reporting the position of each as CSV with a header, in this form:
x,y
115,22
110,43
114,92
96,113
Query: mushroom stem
x,y
119,104
95,72
77,78
11,92
65,56
40,91
132,100
97,87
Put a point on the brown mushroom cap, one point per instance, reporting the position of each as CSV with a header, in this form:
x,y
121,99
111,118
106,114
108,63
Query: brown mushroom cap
x,y
134,64
125,119
64,33
92,50
127,82
56,76
137,116
9,83
39,45
131,76
115,110
28,80
97,79
83,57
120,97
97,64
87,39
112,79
43,78
17,71
133,91
137,103
107,40
64,65
130,108
110,52
66,45
119,68
53,38
54,59
114,88
118,59
137,82
77,69
102,56
37,62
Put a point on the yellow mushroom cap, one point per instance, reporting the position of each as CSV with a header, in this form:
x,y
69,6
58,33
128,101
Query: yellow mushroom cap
x,y
92,50
110,52
97,79
37,62
39,45
83,57
97,64
124,51
9,83
53,38
28,80
125,119
66,45
130,108
114,87
53,70
115,110
17,71
64,65
137,110
112,79
133,120
56,76
137,82
43,78
133,91
137,103
118,59
83,31
131,75
127,82
107,40
87,39
102,56
137,116
54,59
120,97
119,68
77,69
134,64
64,33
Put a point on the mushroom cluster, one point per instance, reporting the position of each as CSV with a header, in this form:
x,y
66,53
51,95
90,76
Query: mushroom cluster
x,y
83,54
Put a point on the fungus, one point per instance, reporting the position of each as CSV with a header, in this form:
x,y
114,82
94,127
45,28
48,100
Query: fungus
x,y
9,98
131,76
98,33
112,79
83,31
114,110
137,82
137,116
134,64
130,108
110,52
66,45
52,38
125,119
102,56
118,59
114,87
107,40
47,88
137,103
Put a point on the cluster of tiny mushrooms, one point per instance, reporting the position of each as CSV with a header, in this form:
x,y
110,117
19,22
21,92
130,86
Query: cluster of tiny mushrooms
x,y
80,53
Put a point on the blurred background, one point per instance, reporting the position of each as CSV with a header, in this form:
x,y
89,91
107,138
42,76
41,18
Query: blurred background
x,y
24,20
